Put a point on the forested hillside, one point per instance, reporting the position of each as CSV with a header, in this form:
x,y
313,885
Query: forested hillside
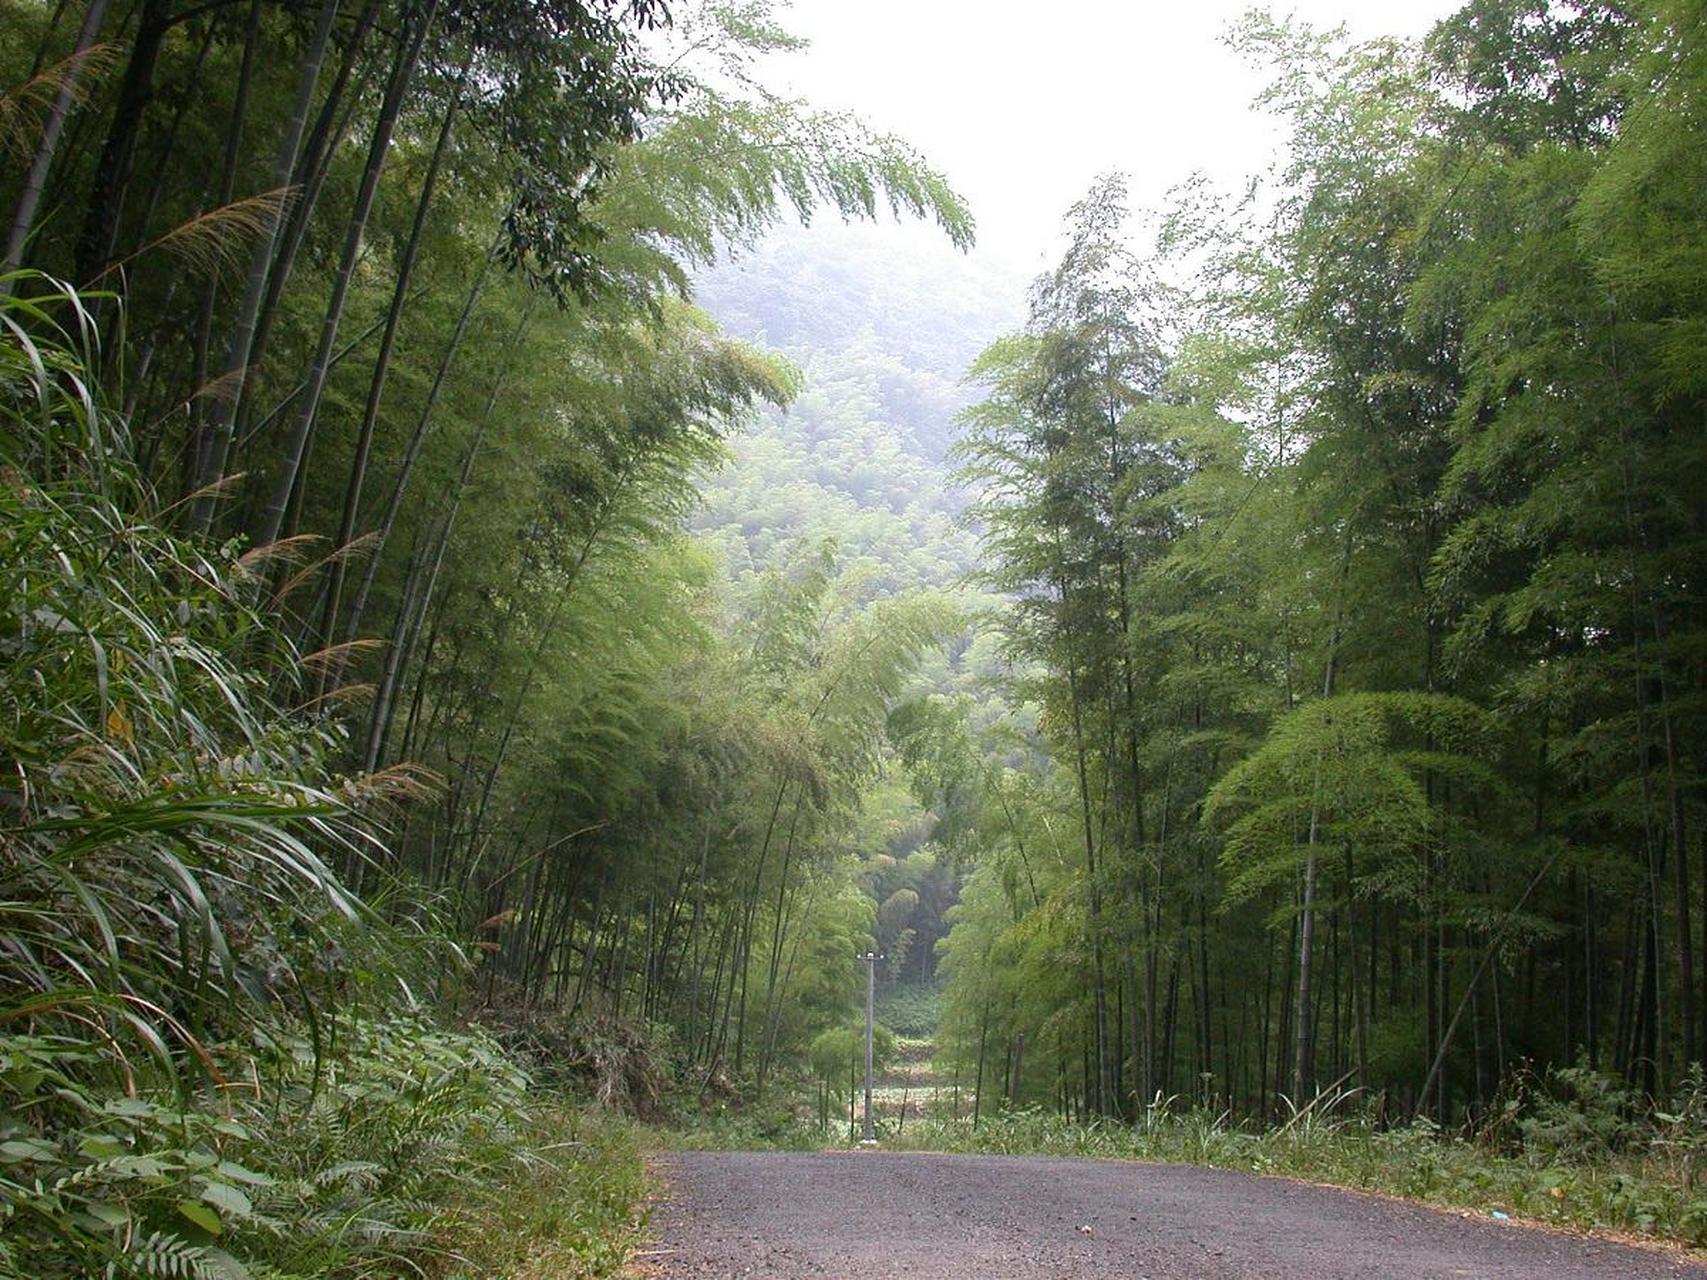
x,y
496,615
882,333
855,471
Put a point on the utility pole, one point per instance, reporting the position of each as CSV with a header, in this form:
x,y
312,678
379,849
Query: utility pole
x,y
871,958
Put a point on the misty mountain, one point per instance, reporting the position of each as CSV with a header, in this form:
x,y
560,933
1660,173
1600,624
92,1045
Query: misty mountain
x,y
882,323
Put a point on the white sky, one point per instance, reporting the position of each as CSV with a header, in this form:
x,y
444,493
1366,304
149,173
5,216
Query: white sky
x,y
1022,105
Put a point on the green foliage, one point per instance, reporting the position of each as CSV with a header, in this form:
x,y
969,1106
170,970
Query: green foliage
x,y
1583,1115
325,1160
1335,764
912,1010
167,815
565,1197
180,1092
838,1055
1342,545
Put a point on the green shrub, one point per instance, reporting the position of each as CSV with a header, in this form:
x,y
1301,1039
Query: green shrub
x,y
167,819
1582,1114
300,1164
911,1010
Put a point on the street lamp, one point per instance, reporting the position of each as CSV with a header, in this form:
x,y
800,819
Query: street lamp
x,y
871,958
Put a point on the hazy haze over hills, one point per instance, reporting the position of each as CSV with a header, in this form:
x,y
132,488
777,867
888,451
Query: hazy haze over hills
x,y
884,319
882,324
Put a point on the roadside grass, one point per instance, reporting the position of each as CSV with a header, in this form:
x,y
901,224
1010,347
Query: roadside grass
x,y
565,1202
772,1129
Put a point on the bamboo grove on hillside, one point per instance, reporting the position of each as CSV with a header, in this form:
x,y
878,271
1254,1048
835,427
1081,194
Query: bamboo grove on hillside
x,y
1357,546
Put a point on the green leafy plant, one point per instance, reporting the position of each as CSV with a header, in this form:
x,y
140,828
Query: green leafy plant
x,y
209,1063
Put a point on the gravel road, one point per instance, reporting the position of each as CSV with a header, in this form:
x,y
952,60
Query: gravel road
x,y
867,1215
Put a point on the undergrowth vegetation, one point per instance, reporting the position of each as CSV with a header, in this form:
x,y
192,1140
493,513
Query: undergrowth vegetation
x,y
214,1060
563,1202
911,1010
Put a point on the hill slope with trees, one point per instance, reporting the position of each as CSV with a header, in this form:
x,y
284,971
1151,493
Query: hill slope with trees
x,y
494,617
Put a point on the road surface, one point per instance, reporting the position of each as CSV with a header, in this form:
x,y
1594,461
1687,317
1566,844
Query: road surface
x,y
865,1215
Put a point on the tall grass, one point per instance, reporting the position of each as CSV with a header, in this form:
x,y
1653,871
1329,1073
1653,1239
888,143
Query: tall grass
x,y
164,819
212,1062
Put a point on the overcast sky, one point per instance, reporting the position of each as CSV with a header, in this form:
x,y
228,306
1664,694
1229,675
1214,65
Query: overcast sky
x,y
1023,104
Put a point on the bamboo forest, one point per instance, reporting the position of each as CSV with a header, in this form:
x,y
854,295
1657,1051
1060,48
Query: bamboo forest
x,y
528,548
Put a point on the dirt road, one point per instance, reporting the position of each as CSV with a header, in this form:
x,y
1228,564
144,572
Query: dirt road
x,y
882,1216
